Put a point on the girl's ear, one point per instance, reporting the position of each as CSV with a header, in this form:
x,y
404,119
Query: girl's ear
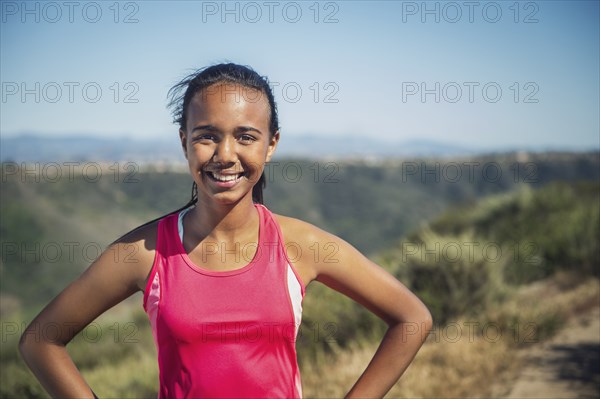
x,y
183,138
272,145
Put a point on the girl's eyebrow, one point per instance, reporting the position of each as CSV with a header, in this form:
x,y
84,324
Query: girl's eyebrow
x,y
244,129
239,129
210,128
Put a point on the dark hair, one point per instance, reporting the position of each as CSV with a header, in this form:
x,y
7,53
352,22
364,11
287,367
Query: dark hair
x,y
182,93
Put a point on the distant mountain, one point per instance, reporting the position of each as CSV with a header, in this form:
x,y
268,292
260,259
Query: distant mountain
x,y
33,147
30,148
353,146
39,148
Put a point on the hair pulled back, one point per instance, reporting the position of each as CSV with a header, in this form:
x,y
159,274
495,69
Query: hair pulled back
x,y
182,93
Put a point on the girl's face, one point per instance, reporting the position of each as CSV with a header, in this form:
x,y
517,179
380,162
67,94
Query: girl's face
x,y
227,141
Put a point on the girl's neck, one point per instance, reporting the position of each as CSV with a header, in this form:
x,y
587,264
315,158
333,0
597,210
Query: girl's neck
x,y
223,222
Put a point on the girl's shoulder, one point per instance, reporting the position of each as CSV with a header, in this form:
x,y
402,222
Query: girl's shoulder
x,y
313,248
137,249
145,234
299,231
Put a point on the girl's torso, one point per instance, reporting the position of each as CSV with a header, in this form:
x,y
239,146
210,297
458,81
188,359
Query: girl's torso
x,y
225,333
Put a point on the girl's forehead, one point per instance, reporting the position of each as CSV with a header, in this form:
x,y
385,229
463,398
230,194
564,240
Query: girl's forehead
x,y
230,97
230,92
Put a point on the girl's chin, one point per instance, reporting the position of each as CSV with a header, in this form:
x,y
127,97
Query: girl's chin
x,y
227,197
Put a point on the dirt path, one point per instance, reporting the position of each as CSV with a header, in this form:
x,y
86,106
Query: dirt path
x,y
567,366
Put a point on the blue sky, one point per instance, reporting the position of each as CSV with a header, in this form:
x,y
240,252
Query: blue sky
x,y
480,74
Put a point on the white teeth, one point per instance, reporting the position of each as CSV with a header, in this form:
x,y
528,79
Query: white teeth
x,y
225,178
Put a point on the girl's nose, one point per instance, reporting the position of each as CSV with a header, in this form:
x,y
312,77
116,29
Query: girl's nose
x,y
225,151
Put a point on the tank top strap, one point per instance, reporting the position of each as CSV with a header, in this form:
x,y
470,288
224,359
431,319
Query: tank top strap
x,y
273,236
170,237
164,249
270,234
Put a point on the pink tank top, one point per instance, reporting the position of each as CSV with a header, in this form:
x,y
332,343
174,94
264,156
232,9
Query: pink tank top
x,y
228,334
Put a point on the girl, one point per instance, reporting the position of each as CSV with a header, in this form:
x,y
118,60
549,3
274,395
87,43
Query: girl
x,y
222,295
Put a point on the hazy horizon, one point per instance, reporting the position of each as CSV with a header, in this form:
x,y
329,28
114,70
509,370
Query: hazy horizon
x,y
496,75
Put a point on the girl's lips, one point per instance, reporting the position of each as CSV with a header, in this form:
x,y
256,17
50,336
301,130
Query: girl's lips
x,y
225,180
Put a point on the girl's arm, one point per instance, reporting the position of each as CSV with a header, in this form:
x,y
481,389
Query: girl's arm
x,y
352,274
119,272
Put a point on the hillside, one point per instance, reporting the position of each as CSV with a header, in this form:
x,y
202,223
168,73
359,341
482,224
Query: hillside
x,y
507,240
545,234
493,310
56,218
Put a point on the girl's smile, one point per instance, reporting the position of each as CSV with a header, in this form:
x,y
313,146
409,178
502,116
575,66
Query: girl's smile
x,y
225,179
227,141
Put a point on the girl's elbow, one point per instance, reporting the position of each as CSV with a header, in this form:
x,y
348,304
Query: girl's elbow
x,y
29,342
417,320
423,319
25,344
426,320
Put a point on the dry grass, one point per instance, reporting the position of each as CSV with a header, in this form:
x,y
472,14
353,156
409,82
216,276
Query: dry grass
x,y
463,359
542,308
444,367
134,377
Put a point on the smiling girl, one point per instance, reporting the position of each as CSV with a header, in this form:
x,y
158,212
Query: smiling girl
x,y
223,298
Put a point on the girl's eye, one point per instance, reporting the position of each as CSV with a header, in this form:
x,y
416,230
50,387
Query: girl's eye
x,y
246,138
205,137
